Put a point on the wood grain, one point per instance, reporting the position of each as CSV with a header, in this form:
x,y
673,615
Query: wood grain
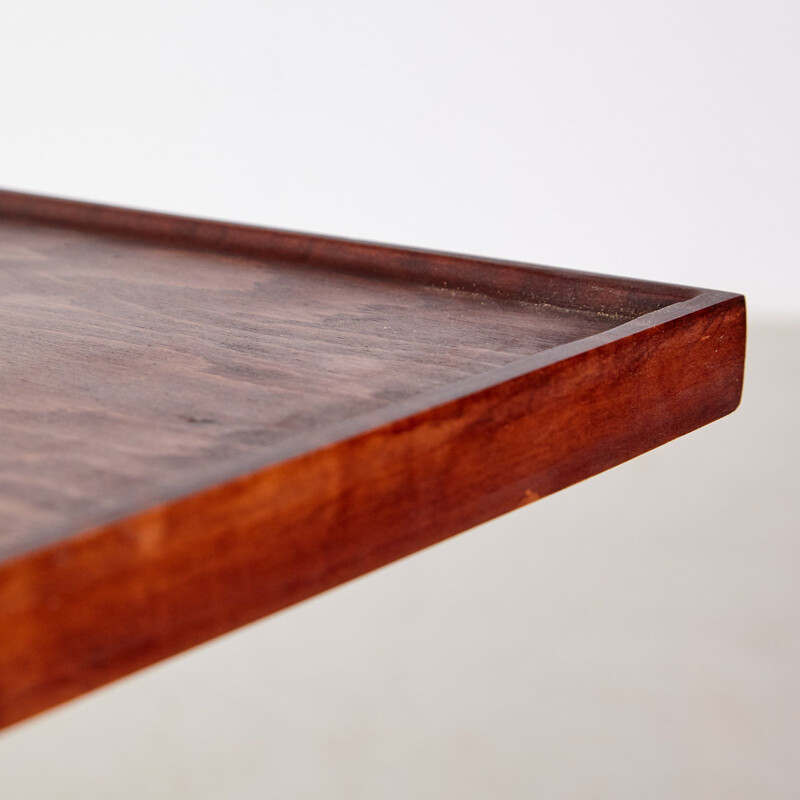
x,y
202,423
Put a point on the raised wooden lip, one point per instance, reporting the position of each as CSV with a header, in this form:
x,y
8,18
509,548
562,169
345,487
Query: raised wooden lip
x,y
563,287
671,302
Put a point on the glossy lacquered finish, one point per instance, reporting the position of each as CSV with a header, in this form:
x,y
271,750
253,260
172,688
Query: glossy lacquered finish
x,y
202,423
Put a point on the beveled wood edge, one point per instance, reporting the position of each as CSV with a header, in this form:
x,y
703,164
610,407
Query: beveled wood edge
x,y
52,595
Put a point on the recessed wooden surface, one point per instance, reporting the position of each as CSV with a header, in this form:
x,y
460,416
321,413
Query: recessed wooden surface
x,y
201,423
130,368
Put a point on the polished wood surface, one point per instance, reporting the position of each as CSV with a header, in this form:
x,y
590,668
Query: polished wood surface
x,y
129,366
202,423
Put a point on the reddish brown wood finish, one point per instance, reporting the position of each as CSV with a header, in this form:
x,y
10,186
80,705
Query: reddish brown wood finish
x,y
202,423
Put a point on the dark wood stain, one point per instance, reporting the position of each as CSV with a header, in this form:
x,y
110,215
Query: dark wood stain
x,y
201,423
252,351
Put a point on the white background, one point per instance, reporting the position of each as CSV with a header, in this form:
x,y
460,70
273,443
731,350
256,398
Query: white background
x,y
634,636
639,138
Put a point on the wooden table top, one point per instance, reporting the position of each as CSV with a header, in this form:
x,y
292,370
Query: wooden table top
x,y
202,423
